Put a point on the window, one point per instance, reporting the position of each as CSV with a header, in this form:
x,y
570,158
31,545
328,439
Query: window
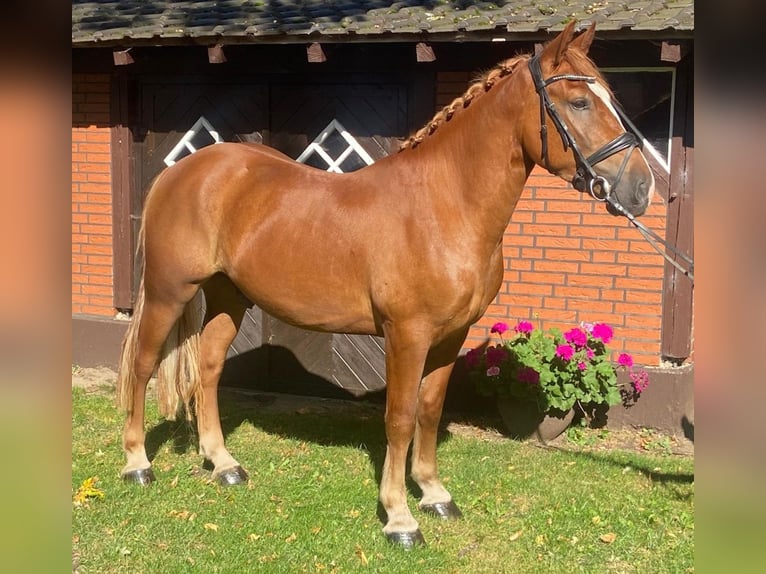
x,y
201,134
647,96
336,150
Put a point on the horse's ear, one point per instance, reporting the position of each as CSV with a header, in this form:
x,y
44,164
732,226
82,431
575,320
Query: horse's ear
x,y
584,40
556,48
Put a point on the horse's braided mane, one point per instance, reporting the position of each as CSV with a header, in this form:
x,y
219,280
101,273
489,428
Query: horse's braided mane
x,y
479,87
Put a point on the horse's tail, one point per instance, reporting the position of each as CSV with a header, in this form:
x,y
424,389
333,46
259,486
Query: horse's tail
x,y
178,373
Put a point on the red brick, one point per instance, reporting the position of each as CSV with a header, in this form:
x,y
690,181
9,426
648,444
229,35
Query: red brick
x,y
545,230
101,280
96,269
613,294
97,249
518,264
590,281
638,284
556,266
543,278
95,208
532,253
576,292
96,290
100,167
519,299
603,269
604,245
97,229
557,315
558,242
593,232
558,218
590,306
632,308
566,255
646,272
604,257
101,219
100,260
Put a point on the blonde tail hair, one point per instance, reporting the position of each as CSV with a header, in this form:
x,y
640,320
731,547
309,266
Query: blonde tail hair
x,y
178,373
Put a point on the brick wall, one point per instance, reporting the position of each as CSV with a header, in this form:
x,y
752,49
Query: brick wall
x,y
568,261
92,276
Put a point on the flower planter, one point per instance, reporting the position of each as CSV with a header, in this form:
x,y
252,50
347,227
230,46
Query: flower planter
x,y
524,422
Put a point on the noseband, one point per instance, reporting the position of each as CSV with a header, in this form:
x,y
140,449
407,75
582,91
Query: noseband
x,y
597,185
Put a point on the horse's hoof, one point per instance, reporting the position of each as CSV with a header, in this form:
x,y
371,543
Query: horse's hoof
x,y
445,510
232,476
406,540
142,476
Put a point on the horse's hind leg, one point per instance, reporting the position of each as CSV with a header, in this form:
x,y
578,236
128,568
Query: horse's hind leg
x,y
225,310
156,321
436,499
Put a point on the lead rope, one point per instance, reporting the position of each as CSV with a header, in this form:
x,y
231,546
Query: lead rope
x,y
653,239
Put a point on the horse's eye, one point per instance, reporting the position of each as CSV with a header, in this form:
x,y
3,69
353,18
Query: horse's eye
x,y
580,104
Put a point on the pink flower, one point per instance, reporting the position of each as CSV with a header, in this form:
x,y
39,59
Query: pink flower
x,y
625,360
590,353
499,328
582,366
524,327
528,375
496,355
472,358
565,352
602,331
576,337
640,381
588,327
493,371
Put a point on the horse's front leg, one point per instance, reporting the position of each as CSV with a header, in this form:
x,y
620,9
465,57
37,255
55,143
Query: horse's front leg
x,y
405,358
436,499
223,317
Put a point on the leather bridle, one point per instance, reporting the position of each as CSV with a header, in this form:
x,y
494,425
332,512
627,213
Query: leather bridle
x,y
595,184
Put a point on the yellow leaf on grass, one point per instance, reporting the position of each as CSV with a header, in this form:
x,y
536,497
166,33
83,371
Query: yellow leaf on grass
x,y
211,526
516,535
608,538
87,490
362,556
291,538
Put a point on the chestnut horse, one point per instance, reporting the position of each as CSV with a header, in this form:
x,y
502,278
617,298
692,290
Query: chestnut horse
x,y
409,248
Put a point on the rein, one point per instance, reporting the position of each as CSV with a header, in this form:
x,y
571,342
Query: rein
x,y
598,187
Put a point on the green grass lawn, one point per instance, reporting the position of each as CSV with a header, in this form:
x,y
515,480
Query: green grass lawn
x,y
311,504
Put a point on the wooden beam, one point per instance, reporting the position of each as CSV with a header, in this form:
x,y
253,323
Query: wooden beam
x,y
122,57
678,290
215,54
122,189
424,52
315,53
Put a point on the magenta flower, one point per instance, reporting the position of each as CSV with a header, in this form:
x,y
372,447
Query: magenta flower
x,y
499,328
493,371
582,366
603,332
528,375
524,327
576,337
590,353
496,355
625,360
472,358
565,352
640,381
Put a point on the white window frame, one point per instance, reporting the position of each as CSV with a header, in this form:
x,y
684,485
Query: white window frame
x,y
664,163
334,164
185,142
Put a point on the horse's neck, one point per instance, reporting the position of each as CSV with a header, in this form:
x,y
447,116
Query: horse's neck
x,y
478,159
